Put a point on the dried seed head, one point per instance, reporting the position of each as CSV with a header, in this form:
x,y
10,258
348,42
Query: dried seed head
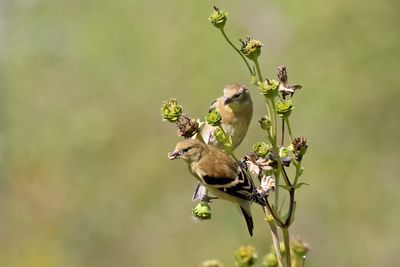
x,y
187,126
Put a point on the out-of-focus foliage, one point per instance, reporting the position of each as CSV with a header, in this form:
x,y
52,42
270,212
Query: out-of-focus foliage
x,y
85,180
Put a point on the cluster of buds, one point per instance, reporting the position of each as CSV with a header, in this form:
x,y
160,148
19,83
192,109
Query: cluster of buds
x,y
265,123
251,48
269,88
299,247
284,108
218,18
246,256
171,110
214,118
202,211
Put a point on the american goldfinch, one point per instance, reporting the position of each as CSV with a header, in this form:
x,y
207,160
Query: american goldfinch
x,y
236,110
219,174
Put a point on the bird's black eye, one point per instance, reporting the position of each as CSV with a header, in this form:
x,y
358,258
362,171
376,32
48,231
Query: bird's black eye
x,y
236,95
185,150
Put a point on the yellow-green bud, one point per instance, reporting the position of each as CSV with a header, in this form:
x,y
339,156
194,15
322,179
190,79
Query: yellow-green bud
x,y
246,256
171,110
214,118
261,149
300,248
253,80
202,211
269,88
251,48
270,260
269,218
265,123
284,108
211,263
218,18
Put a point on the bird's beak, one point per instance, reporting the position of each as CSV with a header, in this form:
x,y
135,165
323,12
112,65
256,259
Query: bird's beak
x,y
174,155
227,100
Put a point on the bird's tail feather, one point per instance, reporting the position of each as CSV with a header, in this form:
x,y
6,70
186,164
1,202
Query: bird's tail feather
x,y
249,220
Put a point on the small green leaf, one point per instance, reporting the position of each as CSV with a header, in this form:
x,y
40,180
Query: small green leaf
x,y
298,185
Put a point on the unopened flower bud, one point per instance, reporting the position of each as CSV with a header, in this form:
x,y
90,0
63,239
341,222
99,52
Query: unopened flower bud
x,y
299,247
171,110
202,211
284,108
261,149
270,260
269,88
218,18
246,256
214,118
211,263
187,126
265,123
251,48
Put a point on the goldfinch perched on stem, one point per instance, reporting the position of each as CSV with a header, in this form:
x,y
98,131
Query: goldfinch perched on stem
x,y
236,110
219,174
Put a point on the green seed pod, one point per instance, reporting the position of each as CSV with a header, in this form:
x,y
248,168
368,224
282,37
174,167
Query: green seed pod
x,y
202,211
218,18
246,256
171,110
251,48
214,118
261,149
269,88
284,108
265,123
270,260
299,247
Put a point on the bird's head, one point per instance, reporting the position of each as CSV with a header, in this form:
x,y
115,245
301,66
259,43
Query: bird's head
x,y
236,95
188,149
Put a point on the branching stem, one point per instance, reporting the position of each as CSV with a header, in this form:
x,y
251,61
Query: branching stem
x,y
238,51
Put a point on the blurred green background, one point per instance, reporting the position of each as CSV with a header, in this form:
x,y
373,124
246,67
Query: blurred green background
x,y
85,180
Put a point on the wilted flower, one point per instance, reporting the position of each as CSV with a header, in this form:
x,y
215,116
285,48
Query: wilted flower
x,y
211,263
171,110
265,123
218,18
299,247
285,88
269,88
245,256
261,149
214,118
299,147
270,260
284,107
202,211
267,185
251,48
187,126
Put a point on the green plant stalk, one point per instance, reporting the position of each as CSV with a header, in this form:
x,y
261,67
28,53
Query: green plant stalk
x,y
226,136
237,50
275,238
286,120
286,240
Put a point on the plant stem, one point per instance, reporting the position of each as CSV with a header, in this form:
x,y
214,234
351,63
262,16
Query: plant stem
x,y
283,132
260,78
237,50
275,238
289,129
286,240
